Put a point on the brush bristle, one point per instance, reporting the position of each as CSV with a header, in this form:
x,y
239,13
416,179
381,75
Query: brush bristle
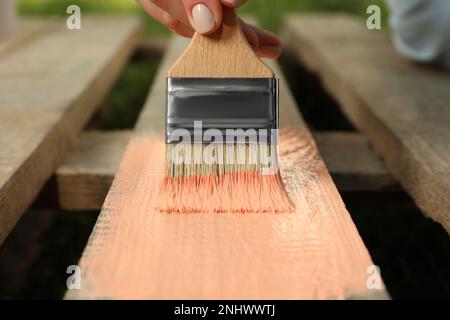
x,y
222,178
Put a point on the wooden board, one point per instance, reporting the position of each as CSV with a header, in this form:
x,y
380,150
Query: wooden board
x,y
136,252
27,30
49,88
86,174
352,163
403,108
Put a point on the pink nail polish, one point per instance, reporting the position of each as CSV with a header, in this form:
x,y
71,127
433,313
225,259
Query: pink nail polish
x,y
203,18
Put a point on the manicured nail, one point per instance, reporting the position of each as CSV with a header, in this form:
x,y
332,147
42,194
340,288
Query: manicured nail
x,y
270,50
203,19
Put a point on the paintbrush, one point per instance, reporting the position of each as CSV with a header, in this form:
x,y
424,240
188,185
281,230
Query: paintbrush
x,y
222,128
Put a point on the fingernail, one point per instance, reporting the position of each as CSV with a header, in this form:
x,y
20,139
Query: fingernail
x,y
203,19
270,50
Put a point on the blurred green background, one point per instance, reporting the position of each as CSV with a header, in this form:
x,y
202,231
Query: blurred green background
x,y
268,12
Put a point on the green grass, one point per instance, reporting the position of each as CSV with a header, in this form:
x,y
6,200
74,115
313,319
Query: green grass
x,y
58,8
268,12
124,102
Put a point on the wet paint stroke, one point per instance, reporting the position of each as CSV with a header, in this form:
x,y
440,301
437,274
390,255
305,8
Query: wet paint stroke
x,y
240,192
240,180
136,252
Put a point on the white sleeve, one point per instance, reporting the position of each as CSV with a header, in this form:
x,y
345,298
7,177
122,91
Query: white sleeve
x,y
421,29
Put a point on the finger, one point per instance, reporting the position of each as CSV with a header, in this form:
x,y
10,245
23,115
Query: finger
x,y
250,34
175,8
205,16
233,3
269,45
166,19
267,37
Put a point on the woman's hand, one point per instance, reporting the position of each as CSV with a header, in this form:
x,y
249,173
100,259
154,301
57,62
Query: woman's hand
x,y
185,17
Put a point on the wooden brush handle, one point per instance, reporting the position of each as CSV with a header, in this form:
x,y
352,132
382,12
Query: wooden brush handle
x,y
224,54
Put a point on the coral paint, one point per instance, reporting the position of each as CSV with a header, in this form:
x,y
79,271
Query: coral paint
x,y
243,192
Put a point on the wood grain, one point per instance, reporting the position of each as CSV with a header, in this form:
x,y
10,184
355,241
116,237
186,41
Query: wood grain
x,y
224,54
27,30
137,252
86,174
400,106
49,88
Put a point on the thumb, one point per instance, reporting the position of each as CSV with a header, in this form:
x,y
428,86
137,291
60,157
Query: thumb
x,y
205,16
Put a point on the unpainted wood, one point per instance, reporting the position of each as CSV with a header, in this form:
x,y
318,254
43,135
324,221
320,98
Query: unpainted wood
x,y
352,162
49,89
402,107
137,252
85,176
27,30
224,54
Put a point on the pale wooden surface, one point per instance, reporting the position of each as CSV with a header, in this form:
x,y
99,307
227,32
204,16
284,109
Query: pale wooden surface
x,y
8,18
225,54
27,30
136,252
352,163
48,90
401,107
85,176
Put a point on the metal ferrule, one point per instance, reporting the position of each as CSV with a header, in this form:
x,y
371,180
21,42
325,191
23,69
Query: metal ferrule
x,y
221,105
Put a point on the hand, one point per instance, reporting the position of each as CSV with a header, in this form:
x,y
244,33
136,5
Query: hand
x,y
185,17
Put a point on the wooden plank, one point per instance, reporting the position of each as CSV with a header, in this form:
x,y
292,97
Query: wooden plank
x,y
27,30
401,107
48,91
85,176
352,163
136,252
